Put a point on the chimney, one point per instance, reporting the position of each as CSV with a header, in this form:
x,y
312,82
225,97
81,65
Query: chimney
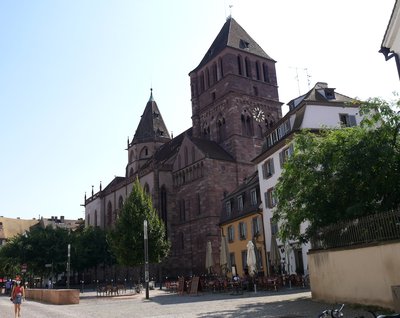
x,y
62,218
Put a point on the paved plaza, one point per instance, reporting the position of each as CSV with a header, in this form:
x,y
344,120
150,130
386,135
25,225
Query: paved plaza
x,y
283,304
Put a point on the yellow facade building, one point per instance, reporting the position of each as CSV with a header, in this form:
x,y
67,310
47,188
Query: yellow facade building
x,y
241,222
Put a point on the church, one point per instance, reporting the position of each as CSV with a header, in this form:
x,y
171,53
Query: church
x,y
234,98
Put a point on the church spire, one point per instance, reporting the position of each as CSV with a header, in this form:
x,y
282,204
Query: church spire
x,y
151,126
151,99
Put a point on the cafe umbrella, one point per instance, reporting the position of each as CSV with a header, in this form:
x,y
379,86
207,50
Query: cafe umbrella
x,y
224,260
251,258
251,261
274,253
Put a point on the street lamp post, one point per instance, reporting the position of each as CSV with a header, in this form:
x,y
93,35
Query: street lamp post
x,y
146,258
68,264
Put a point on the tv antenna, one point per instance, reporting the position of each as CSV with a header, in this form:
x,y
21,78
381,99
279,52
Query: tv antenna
x,y
297,78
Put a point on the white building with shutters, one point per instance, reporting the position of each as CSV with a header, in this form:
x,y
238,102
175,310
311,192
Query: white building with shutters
x,y
319,108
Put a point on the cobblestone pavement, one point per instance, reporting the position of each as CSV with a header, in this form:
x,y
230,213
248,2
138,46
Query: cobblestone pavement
x,y
282,304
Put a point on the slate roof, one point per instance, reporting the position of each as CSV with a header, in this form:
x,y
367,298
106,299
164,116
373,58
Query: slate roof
x,y
234,36
115,182
151,126
212,150
318,94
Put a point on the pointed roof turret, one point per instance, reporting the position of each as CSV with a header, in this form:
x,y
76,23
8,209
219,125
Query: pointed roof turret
x,y
234,36
151,126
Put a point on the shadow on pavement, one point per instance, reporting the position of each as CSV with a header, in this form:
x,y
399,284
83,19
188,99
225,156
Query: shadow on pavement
x,y
166,298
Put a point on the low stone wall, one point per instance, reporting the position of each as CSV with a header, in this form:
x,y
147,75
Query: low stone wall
x,y
363,275
53,296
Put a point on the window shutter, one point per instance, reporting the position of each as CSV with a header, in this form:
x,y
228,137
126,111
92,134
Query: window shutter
x,y
264,169
272,166
291,149
281,158
352,121
266,199
259,225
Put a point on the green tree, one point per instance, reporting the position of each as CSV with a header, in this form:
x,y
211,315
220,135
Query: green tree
x,y
46,246
340,174
36,248
126,240
89,248
11,257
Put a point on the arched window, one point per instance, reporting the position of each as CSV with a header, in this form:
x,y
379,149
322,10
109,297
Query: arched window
x,y
163,205
131,156
206,131
259,131
109,214
120,202
258,70
146,188
221,129
248,67
215,73
221,69
131,172
144,152
186,154
95,218
88,219
207,78
239,62
266,73
193,155
202,85
247,127
255,90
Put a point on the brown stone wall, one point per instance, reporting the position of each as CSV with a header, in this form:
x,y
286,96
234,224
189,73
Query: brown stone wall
x,y
219,177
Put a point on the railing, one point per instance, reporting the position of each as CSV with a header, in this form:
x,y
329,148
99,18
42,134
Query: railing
x,y
368,229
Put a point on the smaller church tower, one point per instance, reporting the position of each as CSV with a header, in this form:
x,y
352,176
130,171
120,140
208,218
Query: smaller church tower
x,y
149,136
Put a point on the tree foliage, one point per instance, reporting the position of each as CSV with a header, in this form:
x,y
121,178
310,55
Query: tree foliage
x,y
341,174
127,241
89,248
41,246
36,248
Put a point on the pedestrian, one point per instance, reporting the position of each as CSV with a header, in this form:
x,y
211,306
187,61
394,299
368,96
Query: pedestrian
x,y
8,287
17,293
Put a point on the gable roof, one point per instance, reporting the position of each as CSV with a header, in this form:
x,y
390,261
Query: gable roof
x,y
234,36
319,94
212,150
151,126
170,149
12,227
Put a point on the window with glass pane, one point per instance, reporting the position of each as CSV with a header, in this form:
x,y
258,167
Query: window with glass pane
x,y
228,208
231,233
240,202
242,230
253,197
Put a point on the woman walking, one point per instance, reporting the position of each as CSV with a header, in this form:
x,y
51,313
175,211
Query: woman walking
x,y
17,293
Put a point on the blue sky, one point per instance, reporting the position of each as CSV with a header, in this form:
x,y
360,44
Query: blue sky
x,y
75,77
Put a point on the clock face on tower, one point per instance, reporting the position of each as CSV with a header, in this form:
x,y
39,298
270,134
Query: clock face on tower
x,y
258,114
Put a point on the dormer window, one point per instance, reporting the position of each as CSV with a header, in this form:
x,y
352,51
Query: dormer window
x,y
244,44
329,93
